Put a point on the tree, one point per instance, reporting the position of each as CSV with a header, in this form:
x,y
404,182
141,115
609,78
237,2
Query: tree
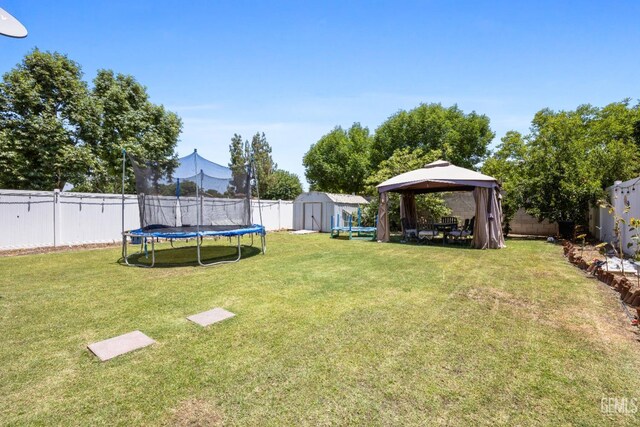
x,y
573,155
283,185
340,161
404,160
239,153
46,122
460,138
55,131
505,164
127,119
259,151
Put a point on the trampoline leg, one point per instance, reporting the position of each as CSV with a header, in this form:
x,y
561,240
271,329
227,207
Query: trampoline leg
x,y
221,262
263,241
153,254
124,247
125,255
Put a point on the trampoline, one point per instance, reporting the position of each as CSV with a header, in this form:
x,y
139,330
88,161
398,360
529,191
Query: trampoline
x,y
353,231
195,199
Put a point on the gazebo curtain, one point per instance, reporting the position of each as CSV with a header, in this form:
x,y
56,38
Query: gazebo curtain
x,y
442,176
487,231
408,209
383,218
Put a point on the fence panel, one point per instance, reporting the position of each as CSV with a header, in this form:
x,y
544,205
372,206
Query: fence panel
x,y
30,219
26,219
276,214
91,218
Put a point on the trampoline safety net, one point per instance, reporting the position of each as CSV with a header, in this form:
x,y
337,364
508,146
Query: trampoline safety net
x,y
198,195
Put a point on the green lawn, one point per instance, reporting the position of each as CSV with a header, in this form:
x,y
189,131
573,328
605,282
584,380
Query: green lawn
x,y
327,332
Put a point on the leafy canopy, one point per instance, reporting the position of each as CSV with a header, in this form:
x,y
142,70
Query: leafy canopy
x,y
258,150
340,161
569,157
461,138
573,155
46,117
127,119
506,164
54,130
273,183
283,185
429,206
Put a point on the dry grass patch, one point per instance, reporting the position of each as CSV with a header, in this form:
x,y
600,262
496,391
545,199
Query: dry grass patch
x,y
196,413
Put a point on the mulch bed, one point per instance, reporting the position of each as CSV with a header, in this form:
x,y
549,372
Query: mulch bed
x,y
587,257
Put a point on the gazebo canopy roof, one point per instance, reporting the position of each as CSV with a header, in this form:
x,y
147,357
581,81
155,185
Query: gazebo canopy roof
x,y
435,177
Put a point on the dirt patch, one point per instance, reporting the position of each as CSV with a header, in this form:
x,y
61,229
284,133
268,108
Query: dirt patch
x,y
495,296
50,249
601,327
196,412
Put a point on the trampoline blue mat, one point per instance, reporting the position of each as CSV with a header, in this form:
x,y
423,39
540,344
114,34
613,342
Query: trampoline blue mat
x,y
190,232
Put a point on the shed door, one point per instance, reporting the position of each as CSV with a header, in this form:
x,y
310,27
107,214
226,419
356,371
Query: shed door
x,y
312,216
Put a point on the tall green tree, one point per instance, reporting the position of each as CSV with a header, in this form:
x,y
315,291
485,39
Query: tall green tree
x,y
429,206
127,119
573,155
283,185
46,120
55,131
462,139
506,164
340,161
257,150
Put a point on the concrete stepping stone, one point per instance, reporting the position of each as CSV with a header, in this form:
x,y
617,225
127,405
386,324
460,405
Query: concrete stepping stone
x,y
116,346
210,317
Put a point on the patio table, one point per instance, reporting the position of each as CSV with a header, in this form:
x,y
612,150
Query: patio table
x,y
445,227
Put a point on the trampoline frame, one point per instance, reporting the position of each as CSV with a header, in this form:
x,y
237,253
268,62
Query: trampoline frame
x,y
199,236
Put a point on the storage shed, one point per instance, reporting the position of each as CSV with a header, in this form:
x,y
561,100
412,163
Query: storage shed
x,y
313,210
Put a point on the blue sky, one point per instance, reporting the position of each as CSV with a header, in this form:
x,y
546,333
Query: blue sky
x,y
295,70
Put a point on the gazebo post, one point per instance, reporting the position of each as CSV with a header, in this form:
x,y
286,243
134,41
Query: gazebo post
x,y
440,176
383,218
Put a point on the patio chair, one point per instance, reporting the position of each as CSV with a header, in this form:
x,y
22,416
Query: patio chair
x,y
465,232
450,220
409,230
427,231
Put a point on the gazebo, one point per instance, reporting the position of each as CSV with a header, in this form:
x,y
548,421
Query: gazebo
x,y
441,176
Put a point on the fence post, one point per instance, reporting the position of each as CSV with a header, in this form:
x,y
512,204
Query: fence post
x,y
56,217
279,214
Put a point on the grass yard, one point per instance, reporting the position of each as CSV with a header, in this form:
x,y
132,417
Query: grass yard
x,y
326,332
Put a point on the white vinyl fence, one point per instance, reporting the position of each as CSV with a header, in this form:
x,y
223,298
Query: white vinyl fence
x,y
621,195
31,219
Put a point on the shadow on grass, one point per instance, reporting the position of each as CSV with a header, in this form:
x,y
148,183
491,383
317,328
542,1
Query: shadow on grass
x,y
346,237
434,243
453,244
186,256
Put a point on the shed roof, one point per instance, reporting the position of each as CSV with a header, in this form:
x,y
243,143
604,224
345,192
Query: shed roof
x,y
347,199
